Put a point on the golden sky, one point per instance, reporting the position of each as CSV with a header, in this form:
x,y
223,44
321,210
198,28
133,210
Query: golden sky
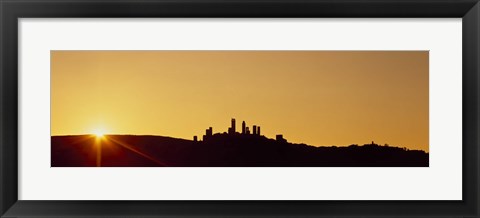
x,y
319,98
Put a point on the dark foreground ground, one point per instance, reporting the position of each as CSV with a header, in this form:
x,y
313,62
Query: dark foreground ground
x,y
221,150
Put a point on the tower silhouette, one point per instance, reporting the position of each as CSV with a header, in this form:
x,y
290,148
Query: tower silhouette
x,y
244,128
208,133
232,129
254,129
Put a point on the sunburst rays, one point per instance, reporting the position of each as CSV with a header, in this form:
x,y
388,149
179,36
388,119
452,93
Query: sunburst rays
x,y
106,140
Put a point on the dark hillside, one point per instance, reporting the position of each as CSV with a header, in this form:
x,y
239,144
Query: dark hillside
x,y
222,150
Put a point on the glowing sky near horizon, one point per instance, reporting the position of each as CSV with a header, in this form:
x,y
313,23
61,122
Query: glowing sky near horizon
x,y
319,98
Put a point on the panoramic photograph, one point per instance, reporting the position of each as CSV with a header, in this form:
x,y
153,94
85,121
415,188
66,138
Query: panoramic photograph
x,y
282,108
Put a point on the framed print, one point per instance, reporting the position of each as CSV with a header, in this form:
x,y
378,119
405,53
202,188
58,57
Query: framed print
x,y
258,108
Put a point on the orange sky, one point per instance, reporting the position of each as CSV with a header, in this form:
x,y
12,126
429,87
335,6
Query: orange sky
x,y
313,97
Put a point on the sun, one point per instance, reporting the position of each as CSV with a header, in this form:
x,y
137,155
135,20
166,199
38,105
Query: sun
x,y
99,133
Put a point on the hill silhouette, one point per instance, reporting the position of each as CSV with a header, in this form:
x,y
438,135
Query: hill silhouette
x,y
231,149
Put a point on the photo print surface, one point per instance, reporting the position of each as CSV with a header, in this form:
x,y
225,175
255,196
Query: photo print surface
x,y
239,108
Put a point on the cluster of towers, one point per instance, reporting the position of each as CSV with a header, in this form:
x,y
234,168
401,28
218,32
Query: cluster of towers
x,y
208,134
245,129
232,131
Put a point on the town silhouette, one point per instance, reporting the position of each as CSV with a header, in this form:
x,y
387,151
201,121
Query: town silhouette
x,y
244,148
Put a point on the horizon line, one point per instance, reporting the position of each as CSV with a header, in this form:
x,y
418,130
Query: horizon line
x,y
116,134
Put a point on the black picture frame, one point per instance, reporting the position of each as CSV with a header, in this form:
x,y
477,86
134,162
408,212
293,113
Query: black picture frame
x,y
12,10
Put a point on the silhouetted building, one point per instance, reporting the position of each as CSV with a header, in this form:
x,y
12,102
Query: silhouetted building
x,y
254,129
195,139
258,130
280,138
208,133
244,128
247,131
232,129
